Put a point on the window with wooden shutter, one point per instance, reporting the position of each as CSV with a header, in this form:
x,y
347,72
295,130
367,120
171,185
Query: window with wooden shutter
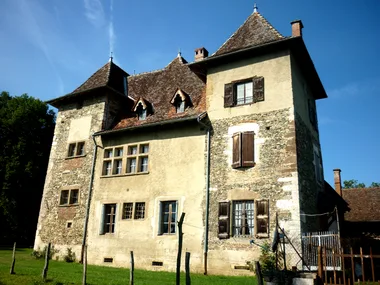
x,y
236,150
243,146
224,220
262,218
229,98
258,89
248,158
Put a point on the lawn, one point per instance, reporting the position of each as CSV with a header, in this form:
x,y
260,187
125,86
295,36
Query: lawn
x,y
28,272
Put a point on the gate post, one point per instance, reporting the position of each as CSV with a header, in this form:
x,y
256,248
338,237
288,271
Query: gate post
x,y
320,265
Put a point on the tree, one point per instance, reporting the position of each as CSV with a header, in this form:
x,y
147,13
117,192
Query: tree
x,y
26,132
354,184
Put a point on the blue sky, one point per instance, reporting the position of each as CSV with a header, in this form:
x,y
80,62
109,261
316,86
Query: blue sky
x,y
49,47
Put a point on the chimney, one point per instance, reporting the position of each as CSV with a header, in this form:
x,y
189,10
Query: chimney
x,y
200,54
337,181
297,28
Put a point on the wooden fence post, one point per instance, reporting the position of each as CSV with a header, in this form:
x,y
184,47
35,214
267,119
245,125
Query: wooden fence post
x,y
320,264
187,268
12,271
46,267
84,261
180,239
132,270
259,275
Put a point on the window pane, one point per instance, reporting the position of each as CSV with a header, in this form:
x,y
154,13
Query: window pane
x,y
243,221
127,211
166,217
140,210
74,196
108,166
119,152
64,197
240,94
165,229
144,164
80,148
132,149
174,206
118,165
108,153
144,148
172,228
248,92
71,151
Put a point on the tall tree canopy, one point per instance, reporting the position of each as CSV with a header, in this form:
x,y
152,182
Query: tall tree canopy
x,y
355,184
26,132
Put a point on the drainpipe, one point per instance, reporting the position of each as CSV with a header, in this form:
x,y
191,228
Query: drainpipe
x,y
89,197
205,250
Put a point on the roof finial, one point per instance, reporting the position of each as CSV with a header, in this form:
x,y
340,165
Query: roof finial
x,y
179,53
255,8
111,57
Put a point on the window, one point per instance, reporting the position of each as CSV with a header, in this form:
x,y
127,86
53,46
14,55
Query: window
x,y
318,165
127,211
76,149
180,106
243,150
113,161
168,217
141,112
137,158
125,81
245,91
249,218
243,218
108,219
313,113
69,197
140,211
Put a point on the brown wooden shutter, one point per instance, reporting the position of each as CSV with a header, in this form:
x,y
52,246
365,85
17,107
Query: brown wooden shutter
x,y
229,98
258,89
262,218
248,155
236,150
224,220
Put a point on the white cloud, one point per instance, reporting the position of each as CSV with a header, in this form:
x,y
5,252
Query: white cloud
x,y
94,12
111,31
358,88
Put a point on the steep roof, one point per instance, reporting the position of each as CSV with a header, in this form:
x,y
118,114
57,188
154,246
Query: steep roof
x,y
158,87
364,204
256,30
109,75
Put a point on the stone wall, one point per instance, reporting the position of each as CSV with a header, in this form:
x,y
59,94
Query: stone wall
x,y
73,124
309,188
274,177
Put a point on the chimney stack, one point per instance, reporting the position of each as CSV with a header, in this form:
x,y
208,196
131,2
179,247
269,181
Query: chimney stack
x,y
201,53
337,181
297,28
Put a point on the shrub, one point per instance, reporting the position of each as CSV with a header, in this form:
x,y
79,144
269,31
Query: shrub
x,y
70,256
40,254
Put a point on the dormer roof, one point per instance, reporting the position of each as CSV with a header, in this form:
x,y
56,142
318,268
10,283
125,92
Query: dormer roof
x,y
256,30
181,94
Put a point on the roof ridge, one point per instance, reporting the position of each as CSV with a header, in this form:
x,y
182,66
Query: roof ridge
x,y
246,20
109,71
147,72
270,25
251,16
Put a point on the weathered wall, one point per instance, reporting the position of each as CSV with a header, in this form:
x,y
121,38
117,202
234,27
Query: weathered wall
x,y
274,177
275,69
307,139
68,173
176,172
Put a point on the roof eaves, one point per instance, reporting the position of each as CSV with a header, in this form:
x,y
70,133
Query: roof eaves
x,y
159,123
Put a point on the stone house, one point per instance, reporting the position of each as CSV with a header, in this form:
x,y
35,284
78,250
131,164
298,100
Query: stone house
x,y
230,139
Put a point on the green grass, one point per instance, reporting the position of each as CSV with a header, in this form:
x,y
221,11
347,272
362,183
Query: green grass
x,y
28,272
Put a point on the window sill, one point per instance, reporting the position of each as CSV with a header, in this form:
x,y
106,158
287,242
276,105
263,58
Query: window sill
x,y
125,174
76,156
69,205
131,220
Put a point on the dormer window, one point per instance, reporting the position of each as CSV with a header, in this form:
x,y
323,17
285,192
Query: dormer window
x,y
181,101
141,112
125,83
